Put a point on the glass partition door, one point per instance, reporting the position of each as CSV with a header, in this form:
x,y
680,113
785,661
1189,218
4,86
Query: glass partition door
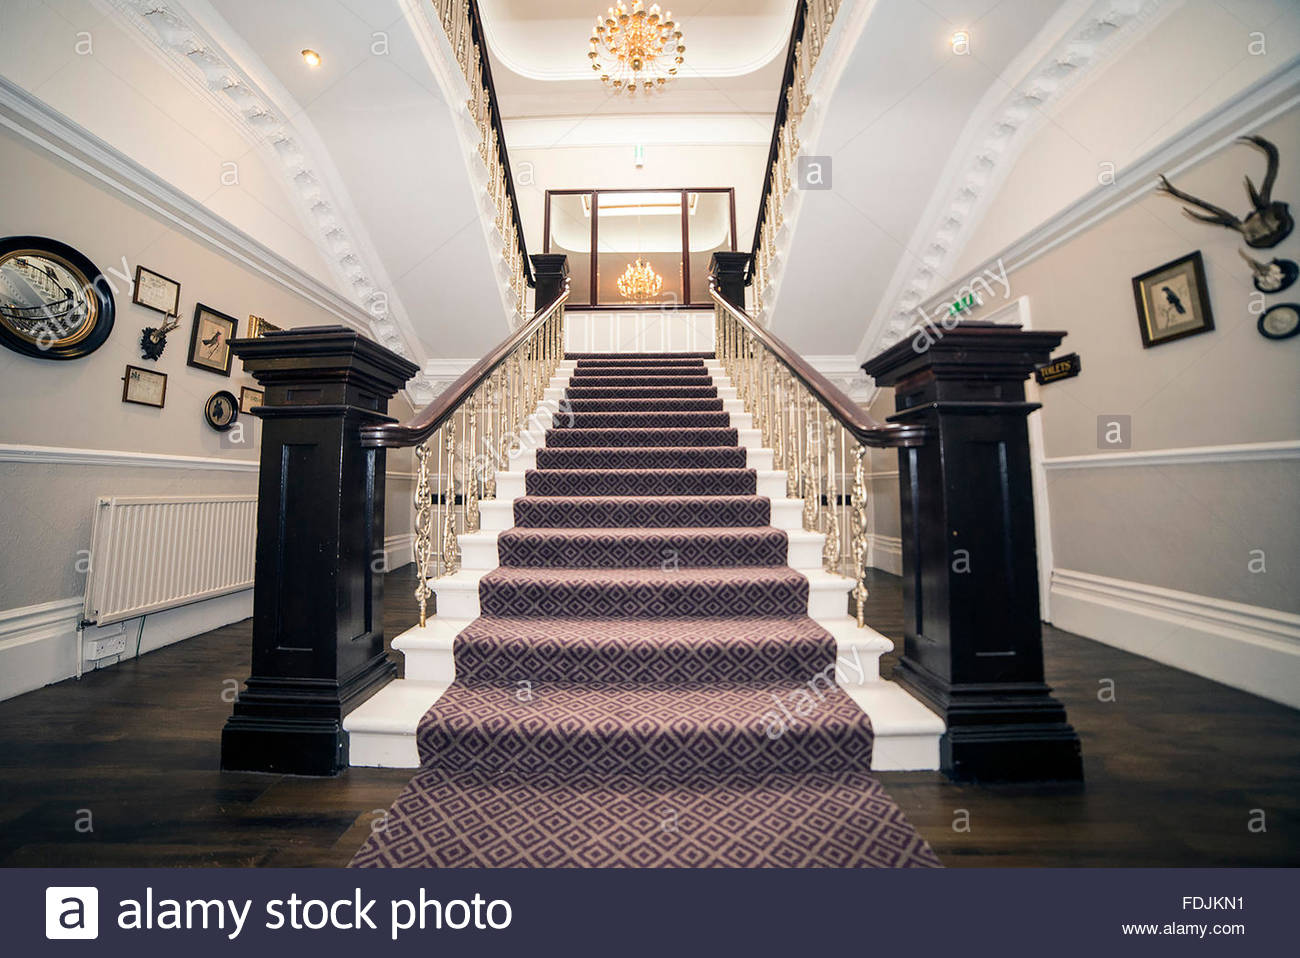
x,y
631,249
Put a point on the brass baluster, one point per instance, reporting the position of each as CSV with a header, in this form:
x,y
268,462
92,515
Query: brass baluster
x,y
450,545
812,467
474,465
423,529
831,548
489,438
792,459
860,539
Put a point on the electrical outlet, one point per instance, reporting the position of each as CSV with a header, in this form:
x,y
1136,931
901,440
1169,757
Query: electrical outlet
x,y
97,649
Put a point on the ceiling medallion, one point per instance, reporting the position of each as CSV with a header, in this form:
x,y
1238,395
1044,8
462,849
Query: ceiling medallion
x,y
640,282
643,49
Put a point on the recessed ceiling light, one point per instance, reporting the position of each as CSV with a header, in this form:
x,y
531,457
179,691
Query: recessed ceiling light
x,y
311,58
961,42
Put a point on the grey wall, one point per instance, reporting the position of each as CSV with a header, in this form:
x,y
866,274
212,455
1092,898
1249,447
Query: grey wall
x,y
1189,527
46,512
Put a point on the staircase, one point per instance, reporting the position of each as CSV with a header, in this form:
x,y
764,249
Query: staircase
x,y
642,628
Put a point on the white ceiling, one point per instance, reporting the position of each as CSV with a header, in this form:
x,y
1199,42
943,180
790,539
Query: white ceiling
x,y
734,60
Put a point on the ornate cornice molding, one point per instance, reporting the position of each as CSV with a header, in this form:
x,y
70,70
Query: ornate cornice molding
x,y
992,141
199,48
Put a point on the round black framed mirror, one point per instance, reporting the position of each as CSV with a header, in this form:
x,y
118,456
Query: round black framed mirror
x,y
54,302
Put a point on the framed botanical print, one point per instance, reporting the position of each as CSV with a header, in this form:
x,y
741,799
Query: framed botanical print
x,y
145,387
210,338
155,291
249,397
1173,301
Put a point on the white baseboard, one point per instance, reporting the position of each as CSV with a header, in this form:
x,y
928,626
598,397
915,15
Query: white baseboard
x,y
885,553
38,643
399,550
1245,646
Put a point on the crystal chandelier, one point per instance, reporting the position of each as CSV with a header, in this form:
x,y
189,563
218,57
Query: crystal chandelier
x,y
639,281
643,49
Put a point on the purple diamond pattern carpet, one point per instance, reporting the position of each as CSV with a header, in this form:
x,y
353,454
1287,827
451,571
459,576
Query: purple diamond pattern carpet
x,y
643,687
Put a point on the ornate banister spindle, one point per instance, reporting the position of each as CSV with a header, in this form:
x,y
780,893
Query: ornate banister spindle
x,y
423,529
859,533
473,467
812,467
792,460
831,548
489,438
450,545
778,417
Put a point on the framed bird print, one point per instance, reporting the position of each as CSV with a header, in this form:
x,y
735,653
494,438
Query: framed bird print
x,y
210,338
1173,301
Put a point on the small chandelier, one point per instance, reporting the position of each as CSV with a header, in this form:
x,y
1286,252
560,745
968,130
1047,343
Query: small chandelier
x,y
639,281
643,49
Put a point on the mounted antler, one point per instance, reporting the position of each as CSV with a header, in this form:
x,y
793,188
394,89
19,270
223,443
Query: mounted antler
x,y
1264,197
1218,215
1266,225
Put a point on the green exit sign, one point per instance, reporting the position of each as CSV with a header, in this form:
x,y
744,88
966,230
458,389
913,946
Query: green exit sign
x,y
967,302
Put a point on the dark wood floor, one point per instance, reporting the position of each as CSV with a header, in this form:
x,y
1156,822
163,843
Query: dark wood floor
x,y
1175,766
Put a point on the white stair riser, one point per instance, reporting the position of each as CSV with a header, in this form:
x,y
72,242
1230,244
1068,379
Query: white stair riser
x,y
478,551
805,552
383,750
496,515
432,665
787,513
826,600
457,600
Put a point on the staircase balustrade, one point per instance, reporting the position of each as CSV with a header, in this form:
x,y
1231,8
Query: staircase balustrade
x,y
812,23
476,427
812,427
463,26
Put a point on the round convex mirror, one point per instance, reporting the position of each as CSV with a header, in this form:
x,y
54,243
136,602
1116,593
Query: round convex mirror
x,y
54,303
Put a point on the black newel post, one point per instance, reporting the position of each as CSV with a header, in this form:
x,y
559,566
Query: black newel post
x,y
318,600
728,272
550,272
973,647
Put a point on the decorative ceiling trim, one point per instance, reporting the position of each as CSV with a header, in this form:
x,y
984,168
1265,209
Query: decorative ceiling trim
x,y
1000,127
197,45
1270,97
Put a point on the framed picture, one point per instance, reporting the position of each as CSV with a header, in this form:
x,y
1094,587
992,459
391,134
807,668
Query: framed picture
x,y
1173,301
155,291
257,326
249,397
145,387
210,339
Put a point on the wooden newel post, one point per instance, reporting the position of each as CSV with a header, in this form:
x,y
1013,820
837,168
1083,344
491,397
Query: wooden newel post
x,y
550,273
973,647
318,599
728,272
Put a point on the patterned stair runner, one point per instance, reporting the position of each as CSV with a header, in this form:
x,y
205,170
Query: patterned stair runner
x,y
644,686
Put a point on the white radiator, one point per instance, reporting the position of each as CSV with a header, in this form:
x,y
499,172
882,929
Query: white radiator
x,y
152,553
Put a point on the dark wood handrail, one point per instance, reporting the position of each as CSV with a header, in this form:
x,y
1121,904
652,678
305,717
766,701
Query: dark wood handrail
x,y
426,422
782,108
848,413
479,36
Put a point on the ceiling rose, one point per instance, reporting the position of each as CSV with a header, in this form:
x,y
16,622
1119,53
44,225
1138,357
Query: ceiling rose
x,y
636,49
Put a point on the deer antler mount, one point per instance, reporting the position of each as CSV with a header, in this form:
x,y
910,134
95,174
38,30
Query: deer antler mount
x,y
1268,223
